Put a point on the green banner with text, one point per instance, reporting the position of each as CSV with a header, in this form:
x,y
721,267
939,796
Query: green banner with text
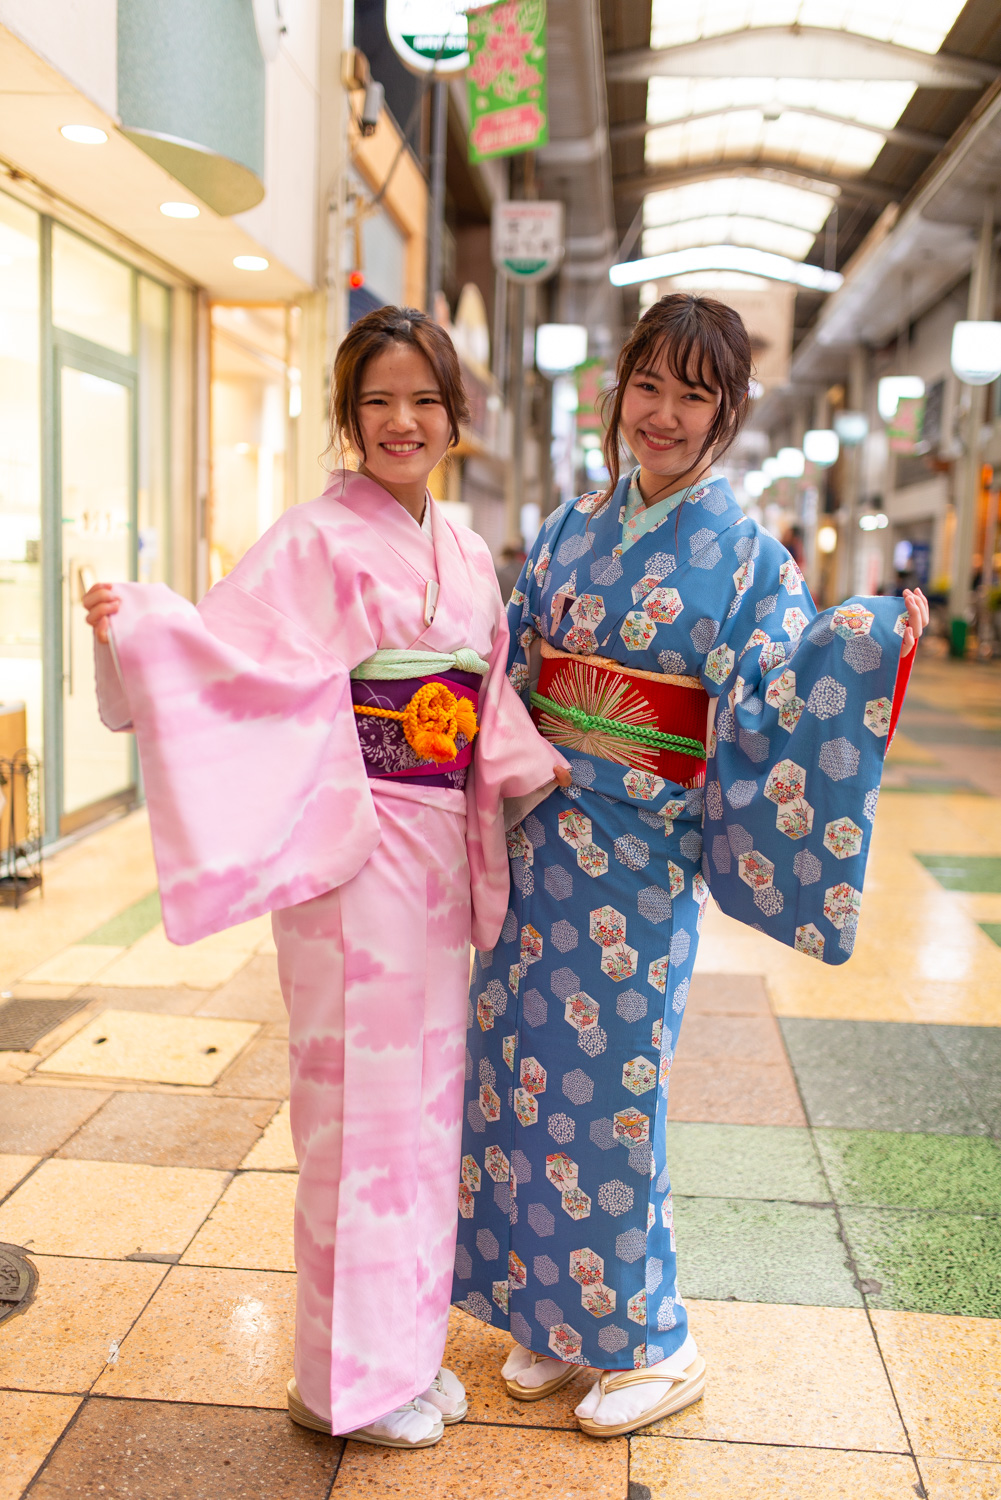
x,y
508,107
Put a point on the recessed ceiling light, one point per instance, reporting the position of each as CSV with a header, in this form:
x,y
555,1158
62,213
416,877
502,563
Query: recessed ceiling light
x,y
180,210
250,263
84,135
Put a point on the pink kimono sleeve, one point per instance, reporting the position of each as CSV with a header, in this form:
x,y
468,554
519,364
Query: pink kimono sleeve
x,y
257,792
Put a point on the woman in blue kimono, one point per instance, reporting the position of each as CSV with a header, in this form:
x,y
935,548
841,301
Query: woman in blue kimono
x,y
724,738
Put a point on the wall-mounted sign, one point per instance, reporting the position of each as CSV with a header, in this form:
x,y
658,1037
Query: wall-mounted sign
x,y
508,110
526,239
429,36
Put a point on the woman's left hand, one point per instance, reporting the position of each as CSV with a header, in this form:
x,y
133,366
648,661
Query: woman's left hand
x,y
918,615
562,774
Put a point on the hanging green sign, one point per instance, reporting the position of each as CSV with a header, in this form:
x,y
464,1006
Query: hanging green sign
x,y
508,108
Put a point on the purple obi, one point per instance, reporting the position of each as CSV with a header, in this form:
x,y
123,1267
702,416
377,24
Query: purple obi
x,y
384,746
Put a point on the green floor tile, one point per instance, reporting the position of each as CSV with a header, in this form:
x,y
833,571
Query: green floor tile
x,y
964,872
129,925
762,1252
888,1169
993,931
924,787
744,1161
932,1263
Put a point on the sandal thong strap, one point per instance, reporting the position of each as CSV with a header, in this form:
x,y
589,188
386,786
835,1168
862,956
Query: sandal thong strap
x,y
619,1380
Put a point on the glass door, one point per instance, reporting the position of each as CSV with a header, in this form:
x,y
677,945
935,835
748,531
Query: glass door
x,y
98,509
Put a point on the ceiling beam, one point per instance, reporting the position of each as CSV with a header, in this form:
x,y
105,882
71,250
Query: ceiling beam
x,y
897,135
657,179
799,52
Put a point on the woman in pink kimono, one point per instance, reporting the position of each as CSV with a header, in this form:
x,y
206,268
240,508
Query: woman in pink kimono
x,y
307,744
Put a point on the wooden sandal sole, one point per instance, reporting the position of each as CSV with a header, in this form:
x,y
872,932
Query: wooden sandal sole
x,y
539,1392
677,1398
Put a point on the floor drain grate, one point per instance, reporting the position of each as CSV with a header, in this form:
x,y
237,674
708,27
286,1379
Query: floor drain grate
x,y
18,1279
25,1022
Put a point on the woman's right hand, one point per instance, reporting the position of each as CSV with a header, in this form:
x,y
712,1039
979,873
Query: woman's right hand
x,y
100,602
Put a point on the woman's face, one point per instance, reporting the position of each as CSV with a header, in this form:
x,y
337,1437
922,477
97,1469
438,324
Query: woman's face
x,y
665,420
404,427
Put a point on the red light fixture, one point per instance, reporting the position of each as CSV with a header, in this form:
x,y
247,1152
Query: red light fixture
x,y
355,280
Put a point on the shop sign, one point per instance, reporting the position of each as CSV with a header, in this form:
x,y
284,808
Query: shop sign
x,y
508,109
527,239
591,380
429,36
904,429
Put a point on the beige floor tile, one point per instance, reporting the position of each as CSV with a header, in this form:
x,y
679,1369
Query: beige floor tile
x,y
854,997
958,1479
152,1048
805,1376
742,1471
274,1151
12,1169
108,1209
30,1424
78,964
250,1226
476,1352
81,1310
155,960
214,1336
171,1129
945,1374
253,994
945,1004
259,1073
36,1121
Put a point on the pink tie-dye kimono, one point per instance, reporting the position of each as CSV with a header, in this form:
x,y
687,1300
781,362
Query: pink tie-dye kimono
x,y
259,801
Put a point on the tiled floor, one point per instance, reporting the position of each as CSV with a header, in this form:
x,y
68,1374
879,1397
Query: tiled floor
x,y
836,1155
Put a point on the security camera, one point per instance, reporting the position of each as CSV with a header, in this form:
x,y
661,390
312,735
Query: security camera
x,y
372,107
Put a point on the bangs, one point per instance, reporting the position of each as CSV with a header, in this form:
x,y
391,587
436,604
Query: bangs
x,y
687,353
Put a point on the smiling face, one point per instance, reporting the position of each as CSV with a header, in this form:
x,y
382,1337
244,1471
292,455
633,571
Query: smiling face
x,y
665,421
403,425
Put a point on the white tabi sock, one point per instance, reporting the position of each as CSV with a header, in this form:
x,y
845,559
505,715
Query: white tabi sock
x,y
629,1405
410,1423
446,1393
519,1367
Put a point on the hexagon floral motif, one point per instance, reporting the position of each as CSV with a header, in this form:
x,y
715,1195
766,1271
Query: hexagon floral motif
x,y
518,845
575,828
842,903
642,785
467,1203
575,1202
514,978
794,622
526,1108
719,664
852,619
794,819
580,1011
809,941
791,578
843,838
789,713
657,973
489,1103
744,577
561,1170
586,1267
509,1046
517,1273
531,945
780,690
755,870
619,961
663,605
636,1308
532,1075
565,1342
638,1075
646,583
471,1174
496,1163
771,655
786,781
757,637
588,609
676,878
630,1127
638,630
484,1011
580,640
592,860
599,1300
607,926
877,716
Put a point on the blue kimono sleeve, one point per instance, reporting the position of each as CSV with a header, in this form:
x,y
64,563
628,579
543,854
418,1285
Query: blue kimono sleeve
x,y
796,752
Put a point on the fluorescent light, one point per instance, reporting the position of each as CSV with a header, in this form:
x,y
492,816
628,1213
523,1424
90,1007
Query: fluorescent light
x,y
560,347
84,135
893,389
874,522
827,539
180,210
821,446
756,481
771,469
791,463
725,258
250,263
976,352
852,427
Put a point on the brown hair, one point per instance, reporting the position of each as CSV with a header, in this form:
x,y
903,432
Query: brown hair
x,y
701,339
372,334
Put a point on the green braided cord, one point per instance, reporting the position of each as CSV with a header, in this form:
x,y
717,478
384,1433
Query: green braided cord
x,y
641,732
391,665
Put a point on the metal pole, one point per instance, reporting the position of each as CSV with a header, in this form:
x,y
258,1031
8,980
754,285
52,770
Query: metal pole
x,y
853,476
979,307
436,206
516,487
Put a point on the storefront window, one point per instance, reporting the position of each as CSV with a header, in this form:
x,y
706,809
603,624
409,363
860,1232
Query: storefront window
x,y
91,292
20,466
154,417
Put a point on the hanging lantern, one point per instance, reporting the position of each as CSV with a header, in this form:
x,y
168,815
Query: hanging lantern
x,y
821,446
852,427
976,352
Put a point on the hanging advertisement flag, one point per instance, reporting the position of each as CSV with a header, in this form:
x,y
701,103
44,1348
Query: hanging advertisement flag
x,y
429,36
526,239
508,108
905,429
591,380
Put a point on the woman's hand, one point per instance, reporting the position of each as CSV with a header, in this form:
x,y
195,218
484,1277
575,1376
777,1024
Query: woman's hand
x,y
563,776
100,602
918,615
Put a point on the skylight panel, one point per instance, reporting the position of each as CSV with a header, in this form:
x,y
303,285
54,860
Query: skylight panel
x,y
920,24
870,102
732,229
795,139
756,197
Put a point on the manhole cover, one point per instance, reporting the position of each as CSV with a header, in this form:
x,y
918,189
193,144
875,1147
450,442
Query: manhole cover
x,y
18,1279
25,1022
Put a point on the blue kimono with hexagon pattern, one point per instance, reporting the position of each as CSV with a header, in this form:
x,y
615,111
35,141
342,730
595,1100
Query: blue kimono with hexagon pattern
x,y
566,1231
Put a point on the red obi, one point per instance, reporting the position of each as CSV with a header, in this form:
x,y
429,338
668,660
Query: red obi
x,y
622,707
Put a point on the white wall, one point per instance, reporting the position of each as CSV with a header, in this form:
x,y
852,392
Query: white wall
x,y
79,37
